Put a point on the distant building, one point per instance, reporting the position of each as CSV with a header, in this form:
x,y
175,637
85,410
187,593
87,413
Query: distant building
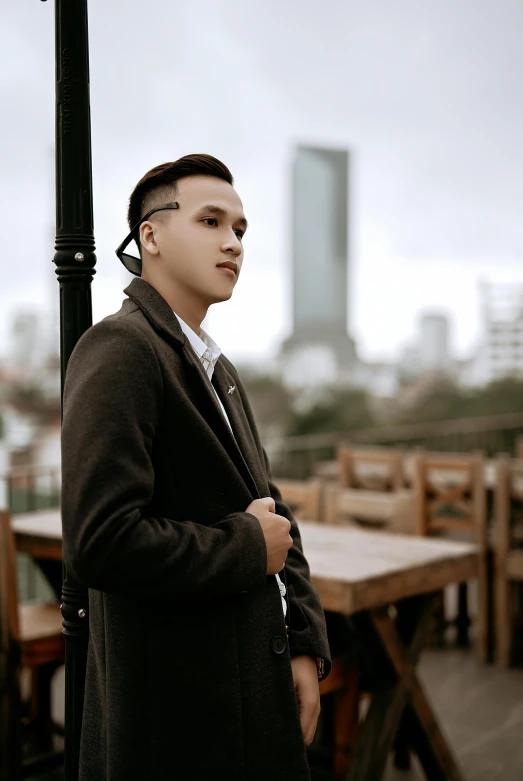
x,y
319,350
379,378
501,351
430,351
434,350
24,339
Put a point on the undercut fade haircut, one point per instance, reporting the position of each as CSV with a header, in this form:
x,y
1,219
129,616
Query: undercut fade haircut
x,y
159,185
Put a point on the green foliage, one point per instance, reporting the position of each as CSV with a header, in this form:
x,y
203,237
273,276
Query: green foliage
x,y
270,400
498,397
444,400
338,409
441,400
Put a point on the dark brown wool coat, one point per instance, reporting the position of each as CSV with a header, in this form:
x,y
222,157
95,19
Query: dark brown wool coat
x,y
185,679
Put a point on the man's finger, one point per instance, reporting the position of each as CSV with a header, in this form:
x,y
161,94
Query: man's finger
x,y
309,737
308,716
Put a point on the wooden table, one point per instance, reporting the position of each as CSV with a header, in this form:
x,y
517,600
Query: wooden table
x,y
359,574
39,534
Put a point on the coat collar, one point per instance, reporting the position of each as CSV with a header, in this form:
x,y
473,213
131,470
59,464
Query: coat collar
x,y
156,309
240,445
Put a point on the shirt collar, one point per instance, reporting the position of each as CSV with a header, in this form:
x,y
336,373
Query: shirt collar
x,y
202,344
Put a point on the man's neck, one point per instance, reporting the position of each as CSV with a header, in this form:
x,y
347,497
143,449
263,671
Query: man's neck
x,y
186,305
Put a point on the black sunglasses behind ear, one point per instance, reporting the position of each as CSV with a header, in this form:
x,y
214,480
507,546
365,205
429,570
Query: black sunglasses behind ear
x,y
131,263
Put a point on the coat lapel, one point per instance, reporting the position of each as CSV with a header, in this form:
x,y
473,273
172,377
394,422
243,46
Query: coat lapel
x,y
224,382
162,318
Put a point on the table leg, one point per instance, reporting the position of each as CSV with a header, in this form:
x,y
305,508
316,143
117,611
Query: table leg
x,y
407,615
428,740
398,695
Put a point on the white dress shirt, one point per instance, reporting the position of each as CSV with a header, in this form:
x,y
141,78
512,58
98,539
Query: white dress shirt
x,y
208,352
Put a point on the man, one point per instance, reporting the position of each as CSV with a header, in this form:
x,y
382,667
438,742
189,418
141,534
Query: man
x,y
206,637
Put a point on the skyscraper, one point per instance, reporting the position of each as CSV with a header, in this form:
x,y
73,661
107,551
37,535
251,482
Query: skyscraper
x,y
319,349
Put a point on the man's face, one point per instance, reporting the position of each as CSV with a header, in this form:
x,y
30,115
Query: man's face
x,y
195,240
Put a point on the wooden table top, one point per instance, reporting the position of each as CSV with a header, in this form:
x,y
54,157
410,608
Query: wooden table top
x,y
352,569
40,523
355,569
39,534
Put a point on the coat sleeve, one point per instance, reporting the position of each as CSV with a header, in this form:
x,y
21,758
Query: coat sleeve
x,y
307,627
113,397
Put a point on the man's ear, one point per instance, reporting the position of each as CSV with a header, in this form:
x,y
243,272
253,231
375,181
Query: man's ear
x,y
148,238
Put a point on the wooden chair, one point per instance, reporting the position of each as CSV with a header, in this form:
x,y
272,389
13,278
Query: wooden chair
x,y
508,552
392,512
31,638
327,471
371,469
304,497
450,496
343,685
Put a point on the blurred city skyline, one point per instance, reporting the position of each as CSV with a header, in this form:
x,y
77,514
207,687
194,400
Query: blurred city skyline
x,y
426,98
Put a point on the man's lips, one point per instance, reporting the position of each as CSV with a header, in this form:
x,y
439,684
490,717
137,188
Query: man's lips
x,y
230,266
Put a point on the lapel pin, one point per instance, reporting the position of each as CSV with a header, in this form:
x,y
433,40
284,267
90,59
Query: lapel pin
x,y
231,389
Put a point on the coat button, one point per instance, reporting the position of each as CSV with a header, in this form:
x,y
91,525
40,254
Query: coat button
x,y
278,644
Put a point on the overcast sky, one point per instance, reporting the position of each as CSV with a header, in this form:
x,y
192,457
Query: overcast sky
x,y
428,96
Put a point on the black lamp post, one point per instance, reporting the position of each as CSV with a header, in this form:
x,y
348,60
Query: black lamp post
x,y
75,260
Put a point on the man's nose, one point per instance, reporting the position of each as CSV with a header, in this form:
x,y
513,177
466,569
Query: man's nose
x,y
233,245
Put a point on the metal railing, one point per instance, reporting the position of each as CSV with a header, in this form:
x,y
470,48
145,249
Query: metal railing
x,y
295,456
25,488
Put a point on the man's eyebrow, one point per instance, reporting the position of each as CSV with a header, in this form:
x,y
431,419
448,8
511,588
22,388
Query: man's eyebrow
x,y
212,208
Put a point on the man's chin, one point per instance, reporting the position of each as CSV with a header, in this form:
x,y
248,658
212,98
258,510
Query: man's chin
x,y
219,297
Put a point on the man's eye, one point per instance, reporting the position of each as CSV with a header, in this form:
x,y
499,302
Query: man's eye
x,y
239,233
211,219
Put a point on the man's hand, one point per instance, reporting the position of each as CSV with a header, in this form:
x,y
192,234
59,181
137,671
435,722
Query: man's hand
x,y
305,675
275,529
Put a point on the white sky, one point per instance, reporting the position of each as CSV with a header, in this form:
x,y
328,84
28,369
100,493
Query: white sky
x,y
428,96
